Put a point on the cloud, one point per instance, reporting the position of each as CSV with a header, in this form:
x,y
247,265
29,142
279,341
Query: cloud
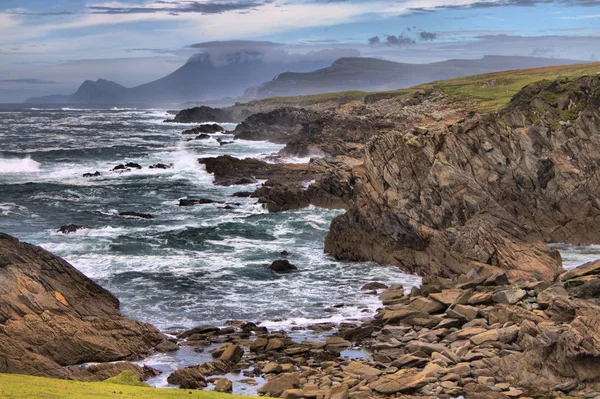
x,y
235,44
577,17
24,12
428,36
28,81
177,7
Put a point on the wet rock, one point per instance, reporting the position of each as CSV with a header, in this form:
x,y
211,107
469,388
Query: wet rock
x,y
136,215
338,342
133,165
188,378
69,228
242,194
167,346
374,286
119,167
357,333
95,174
192,202
230,171
282,266
161,166
232,354
204,129
392,297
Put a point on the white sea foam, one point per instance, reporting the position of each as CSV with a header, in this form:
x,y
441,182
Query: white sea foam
x,y
19,165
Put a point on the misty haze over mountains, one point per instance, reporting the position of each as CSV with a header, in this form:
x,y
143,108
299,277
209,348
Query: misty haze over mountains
x,y
242,71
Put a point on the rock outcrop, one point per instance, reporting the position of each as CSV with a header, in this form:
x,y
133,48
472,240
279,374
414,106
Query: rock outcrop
x,y
230,171
52,316
486,192
207,114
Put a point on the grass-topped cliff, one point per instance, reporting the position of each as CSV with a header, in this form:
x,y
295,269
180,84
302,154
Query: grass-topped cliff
x,y
123,387
487,92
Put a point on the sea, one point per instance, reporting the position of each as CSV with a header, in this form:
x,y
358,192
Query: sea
x,y
187,266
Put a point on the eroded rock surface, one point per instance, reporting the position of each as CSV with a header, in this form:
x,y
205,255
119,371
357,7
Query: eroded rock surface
x,y
485,192
51,316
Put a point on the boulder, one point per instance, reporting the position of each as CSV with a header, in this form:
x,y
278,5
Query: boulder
x,y
426,305
275,386
392,297
95,174
282,266
545,297
51,316
509,296
188,378
339,392
405,381
223,385
583,270
104,371
232,354
362,370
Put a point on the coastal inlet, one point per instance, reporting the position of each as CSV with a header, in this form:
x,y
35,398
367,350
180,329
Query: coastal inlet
x,y
185,266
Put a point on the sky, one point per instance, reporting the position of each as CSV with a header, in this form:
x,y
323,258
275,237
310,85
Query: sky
x,y
52,46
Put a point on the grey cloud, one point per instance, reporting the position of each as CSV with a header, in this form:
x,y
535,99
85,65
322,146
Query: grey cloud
x,y
428,36
235,44
501,3
174,8
40,14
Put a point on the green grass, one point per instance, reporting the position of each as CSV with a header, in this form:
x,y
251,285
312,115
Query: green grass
x,y
488,92
13,386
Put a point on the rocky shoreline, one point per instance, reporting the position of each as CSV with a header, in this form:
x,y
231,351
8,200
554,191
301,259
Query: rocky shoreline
x,y
469,202
472,336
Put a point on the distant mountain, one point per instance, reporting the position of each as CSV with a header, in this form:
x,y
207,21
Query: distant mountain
x,y
200,78
372,74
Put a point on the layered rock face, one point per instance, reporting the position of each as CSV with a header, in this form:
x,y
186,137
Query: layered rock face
x,y
484,193
51,316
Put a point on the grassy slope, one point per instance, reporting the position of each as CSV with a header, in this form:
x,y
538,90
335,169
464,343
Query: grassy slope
x,y
21,386
486,92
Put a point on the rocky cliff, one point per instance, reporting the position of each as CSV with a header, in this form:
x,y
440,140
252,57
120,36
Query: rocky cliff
x,y
51,316
483,193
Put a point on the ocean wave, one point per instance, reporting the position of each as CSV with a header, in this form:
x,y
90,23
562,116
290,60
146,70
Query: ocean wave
x,y
19,165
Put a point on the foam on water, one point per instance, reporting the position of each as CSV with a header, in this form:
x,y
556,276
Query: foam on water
x,y
19,165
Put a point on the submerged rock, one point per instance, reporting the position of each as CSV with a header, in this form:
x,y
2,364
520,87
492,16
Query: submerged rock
x,y
136,215
161,166
95,174
192,202
282,266
69,228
